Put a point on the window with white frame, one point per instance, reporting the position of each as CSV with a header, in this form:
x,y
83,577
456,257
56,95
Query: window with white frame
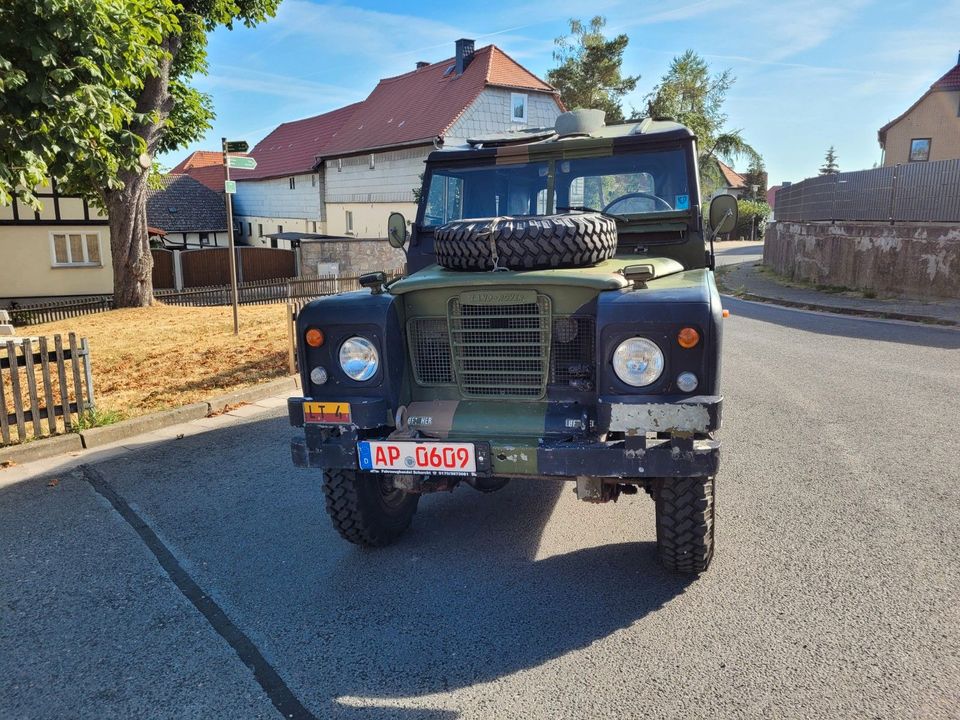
x,y
518,107
75,249
349,221
293,183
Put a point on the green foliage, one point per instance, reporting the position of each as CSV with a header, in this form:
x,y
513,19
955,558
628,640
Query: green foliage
x,y
689,94
830,166
76,98
752,214
96,418
588,72
756,175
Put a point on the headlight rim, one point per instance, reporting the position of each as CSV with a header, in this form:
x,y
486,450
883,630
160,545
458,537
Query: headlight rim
x,y
661,371
376,359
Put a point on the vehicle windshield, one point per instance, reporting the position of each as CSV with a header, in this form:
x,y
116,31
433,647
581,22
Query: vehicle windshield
x,y
628,184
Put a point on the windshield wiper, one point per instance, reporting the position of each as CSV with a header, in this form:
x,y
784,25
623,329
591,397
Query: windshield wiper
x,y
584,208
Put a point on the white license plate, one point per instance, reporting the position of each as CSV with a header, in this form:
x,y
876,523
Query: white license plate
x,y
416,457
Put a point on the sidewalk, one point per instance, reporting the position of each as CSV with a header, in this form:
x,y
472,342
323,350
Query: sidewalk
x,y
273,406
751,281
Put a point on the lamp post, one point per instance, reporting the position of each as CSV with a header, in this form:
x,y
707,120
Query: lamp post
x,y
753,218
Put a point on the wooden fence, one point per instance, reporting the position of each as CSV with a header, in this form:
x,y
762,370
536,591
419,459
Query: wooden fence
x,y
44,385
263,292
163,273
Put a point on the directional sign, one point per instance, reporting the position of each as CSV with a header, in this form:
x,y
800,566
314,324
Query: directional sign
x,y
237,146
229,186
243,163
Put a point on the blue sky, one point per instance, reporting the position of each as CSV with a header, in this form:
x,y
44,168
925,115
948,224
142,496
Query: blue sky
x,y
810,73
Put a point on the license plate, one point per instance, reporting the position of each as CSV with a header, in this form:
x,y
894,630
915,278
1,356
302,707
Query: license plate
x,y
414,457
335,413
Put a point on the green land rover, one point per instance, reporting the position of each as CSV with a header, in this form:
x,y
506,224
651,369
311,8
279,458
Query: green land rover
x,y
559,320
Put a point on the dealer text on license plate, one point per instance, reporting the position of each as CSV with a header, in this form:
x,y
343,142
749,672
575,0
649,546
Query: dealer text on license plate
x,y
414,457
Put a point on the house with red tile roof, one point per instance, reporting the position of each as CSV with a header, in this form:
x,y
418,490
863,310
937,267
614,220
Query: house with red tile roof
x,y
930,128
205,166
343,172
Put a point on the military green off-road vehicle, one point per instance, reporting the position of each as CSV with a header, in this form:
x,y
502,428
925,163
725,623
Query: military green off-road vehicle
x,y
559,320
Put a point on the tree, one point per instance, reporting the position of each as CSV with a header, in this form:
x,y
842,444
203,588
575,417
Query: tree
x,y
689,94
92,90
830,166
756,175
588,74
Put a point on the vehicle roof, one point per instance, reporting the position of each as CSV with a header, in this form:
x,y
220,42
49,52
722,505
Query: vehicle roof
x,y
537,140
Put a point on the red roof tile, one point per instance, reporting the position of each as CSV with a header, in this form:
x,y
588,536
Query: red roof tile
x,y
205,166
419,105
731,176
949,82
294,146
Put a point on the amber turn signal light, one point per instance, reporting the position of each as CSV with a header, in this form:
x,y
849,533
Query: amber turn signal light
x,y
688,337
314,337
726,313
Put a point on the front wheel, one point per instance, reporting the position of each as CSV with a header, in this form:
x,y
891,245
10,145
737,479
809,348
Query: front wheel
x,y
365,507
685,508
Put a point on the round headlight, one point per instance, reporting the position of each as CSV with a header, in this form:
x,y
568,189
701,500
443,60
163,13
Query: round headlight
x,y
359,358
638,361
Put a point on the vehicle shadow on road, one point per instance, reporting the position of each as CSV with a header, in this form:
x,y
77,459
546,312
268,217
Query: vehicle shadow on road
x,y
477,603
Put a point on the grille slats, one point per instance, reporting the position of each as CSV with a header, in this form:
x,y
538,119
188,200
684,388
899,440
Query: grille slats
x,y
503,351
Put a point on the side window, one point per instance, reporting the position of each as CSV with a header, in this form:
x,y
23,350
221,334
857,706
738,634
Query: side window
x,y
445,201
518,107
75,249
348,221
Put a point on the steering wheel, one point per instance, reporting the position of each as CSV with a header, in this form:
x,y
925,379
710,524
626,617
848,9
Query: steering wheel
x,y
648,196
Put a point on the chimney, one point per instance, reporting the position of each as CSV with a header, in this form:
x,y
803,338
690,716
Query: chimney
x,y
464,54
421,64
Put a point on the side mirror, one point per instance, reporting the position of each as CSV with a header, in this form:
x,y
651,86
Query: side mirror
x,y
397,230
723,214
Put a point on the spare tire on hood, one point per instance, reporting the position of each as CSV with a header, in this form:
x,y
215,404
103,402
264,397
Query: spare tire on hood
x,y
535,242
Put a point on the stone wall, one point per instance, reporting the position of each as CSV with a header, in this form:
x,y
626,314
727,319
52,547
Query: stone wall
x,y
918,259
353,256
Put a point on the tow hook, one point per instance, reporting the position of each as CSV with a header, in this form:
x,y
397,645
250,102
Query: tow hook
x,y
598,490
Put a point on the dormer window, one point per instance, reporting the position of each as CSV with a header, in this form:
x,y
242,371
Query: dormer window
x,y
518,107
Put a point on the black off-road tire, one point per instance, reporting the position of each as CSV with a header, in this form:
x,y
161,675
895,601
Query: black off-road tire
x,y
685,508
362,512
527,243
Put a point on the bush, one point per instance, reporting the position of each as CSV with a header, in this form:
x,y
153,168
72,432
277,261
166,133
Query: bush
x,y
750,212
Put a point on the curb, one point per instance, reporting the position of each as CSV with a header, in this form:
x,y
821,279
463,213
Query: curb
x,y
841,310
99,436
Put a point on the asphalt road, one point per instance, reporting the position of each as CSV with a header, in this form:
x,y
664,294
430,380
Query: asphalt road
x,y
834,591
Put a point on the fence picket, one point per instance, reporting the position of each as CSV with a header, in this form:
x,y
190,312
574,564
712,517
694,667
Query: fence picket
x,y
75,364
4,423
47,387
15,389
64,388
32,386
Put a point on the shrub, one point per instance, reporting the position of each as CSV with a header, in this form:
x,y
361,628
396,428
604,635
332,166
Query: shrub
x,y
750,211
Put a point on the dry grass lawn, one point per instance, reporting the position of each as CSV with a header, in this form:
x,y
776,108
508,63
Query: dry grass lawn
x,y
148,359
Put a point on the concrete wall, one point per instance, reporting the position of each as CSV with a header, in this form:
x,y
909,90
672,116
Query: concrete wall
x,y
353,257
917,259
273,198
27,271
936,117
490,113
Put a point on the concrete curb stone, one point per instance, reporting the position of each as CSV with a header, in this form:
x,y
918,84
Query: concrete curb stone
x,y
99,436
41,449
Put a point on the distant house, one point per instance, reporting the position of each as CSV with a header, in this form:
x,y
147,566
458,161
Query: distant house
x,y
342,173
189,213
205,166
733,182
62,250
930,128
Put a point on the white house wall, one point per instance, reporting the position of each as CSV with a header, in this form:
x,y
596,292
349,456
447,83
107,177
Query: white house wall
x,y
392,179
273,198
491,113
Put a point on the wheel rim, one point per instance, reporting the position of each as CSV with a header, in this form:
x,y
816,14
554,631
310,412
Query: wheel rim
x,y
390,496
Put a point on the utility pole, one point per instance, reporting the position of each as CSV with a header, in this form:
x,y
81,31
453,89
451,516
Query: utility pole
x,y
233,252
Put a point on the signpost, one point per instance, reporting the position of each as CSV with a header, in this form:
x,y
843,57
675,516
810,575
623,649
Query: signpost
x,y
230,187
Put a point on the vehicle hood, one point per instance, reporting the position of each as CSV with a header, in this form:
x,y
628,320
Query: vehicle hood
x,y
607,275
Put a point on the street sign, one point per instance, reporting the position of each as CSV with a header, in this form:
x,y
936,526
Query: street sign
x,y
237,146
243,163
229,186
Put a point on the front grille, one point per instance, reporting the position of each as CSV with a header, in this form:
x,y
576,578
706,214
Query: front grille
x,y
572,354
430,350
500,350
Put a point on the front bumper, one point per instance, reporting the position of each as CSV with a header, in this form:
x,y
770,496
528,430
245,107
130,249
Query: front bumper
x,y
684,451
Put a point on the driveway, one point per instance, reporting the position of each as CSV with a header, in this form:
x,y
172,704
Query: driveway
x,y
199,577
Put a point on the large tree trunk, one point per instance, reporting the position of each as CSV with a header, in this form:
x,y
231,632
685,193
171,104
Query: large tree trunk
x,y
129,242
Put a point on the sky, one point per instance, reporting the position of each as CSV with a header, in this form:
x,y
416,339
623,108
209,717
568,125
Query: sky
x,y
810,73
